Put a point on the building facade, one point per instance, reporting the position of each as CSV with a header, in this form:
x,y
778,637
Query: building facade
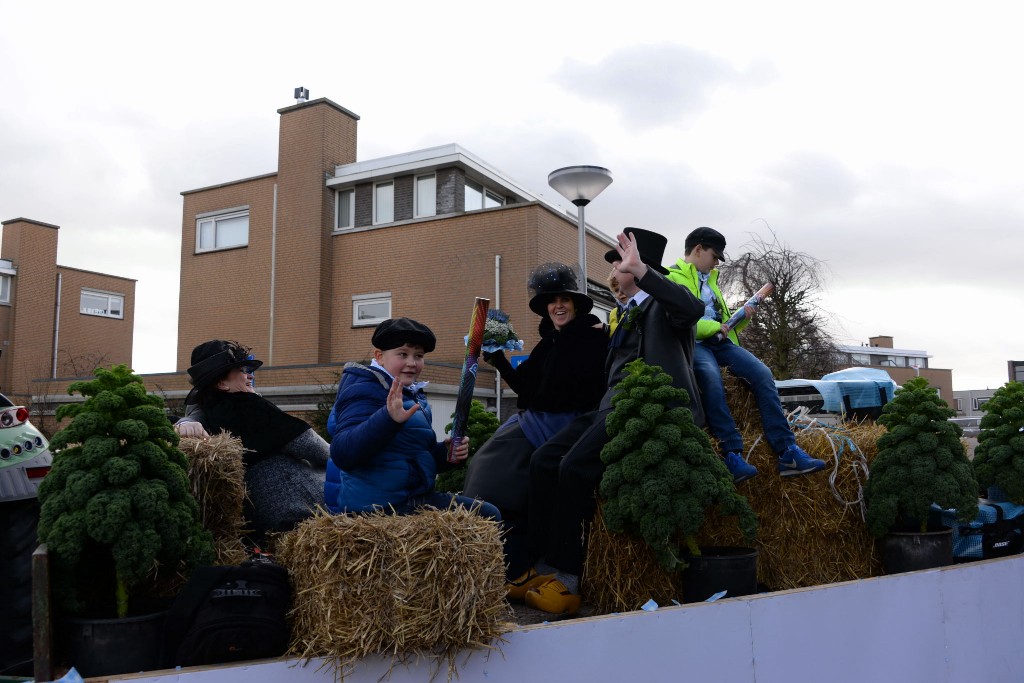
x,y
901,364
55,321
302,263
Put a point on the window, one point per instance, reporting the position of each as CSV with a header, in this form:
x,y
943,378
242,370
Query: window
x,y
426,196
104,304
222,231
959,405
479,197
344,209
979,403
5,289
384,202
370,309
860,359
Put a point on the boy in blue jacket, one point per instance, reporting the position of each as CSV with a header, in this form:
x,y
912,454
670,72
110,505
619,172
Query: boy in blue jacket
x,y
384,453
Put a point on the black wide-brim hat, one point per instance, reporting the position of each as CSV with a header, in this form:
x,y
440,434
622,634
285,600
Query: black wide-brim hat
x,y
213,359
550,279
651,246
395,332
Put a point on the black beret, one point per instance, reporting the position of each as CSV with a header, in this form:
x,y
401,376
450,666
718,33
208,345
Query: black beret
x,y
395,332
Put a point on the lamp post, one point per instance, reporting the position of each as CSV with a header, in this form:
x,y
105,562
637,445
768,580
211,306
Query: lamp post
x,y
580,185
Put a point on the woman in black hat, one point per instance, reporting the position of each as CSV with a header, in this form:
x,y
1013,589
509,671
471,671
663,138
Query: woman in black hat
x,y
562,378
284,458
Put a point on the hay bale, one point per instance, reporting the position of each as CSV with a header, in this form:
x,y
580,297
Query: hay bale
x,y
812,531
217,477
621,572
427,584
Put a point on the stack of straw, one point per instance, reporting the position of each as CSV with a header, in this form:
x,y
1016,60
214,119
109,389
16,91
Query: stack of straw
x,y
811,528
216,474
427,584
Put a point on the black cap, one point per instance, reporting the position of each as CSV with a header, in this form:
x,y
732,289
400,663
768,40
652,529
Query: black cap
x,y
213,359
708,238
651,246
395,332
550,279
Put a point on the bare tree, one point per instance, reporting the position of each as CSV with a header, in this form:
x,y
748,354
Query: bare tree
x,y
79,364
790,332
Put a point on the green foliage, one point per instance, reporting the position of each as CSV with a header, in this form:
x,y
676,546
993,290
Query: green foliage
x,y
999,457
116,505
662,473
480,426
920,461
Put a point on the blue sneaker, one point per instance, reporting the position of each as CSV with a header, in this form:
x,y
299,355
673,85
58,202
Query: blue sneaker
x,y
740,469
794,461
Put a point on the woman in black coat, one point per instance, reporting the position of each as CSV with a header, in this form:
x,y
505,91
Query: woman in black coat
x,y
563,377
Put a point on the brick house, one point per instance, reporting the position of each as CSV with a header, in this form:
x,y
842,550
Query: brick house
x,y
302,263
55,321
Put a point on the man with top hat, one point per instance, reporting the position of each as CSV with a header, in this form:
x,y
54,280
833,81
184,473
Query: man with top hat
x,y
705,249
656,324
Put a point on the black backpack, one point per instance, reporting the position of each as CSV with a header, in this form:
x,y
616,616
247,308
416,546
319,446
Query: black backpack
x,y
229,614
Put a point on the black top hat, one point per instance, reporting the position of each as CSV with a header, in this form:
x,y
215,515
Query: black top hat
x,y
395,332
707,237
651,246
213,359
550,279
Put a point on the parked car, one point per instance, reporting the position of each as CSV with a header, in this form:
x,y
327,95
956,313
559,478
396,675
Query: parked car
x,y
24,460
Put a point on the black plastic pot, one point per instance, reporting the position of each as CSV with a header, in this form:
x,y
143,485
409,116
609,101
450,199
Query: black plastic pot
x,y
732,569
907,551
103,647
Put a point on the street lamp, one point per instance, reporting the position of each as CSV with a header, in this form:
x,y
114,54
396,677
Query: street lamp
x,y
580,185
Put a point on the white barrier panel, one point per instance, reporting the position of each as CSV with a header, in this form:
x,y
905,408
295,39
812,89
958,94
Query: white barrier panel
x,y
957,624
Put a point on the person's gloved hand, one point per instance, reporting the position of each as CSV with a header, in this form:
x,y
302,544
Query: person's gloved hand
x,y
490,356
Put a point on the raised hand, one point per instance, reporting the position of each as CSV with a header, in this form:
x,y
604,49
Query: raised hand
x,y
396,408
629,256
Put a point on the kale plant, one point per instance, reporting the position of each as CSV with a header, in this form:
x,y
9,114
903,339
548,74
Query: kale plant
x,y
116,506
662,473
920,461
999,457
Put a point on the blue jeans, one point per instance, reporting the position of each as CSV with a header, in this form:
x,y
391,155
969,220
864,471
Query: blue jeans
x,y
708,357
441,501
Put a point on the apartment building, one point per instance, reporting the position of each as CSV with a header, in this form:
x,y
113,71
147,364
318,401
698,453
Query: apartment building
x,y
901,364
56,321
302,263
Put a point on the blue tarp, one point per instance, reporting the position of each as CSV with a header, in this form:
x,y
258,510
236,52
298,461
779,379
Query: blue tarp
x,y
860,385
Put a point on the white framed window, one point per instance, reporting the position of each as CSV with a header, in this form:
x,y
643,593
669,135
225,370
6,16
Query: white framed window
x,y
860,359
222,230
5,289
344,209
425,203
959,405
104,304
384,202
979,402
480,197
370,309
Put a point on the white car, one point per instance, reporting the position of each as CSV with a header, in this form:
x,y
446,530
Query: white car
x,y
24,453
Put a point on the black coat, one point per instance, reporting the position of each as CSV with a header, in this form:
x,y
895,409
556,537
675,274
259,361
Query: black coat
x,y
565,371
663,335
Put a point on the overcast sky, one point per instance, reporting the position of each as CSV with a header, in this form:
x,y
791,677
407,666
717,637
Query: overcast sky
x,y
883,138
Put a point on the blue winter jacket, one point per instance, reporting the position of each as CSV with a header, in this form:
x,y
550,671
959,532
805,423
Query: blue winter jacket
x,y
376,461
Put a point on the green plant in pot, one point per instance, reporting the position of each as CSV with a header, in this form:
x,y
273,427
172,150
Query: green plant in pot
x,y
662,474
920,461
999,458
116,506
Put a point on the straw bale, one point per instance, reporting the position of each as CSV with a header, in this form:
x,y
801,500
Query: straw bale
x,y
621,572
427,584
217,476
811,532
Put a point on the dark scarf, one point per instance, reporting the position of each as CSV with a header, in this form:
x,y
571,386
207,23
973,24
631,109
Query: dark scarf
x,y
261,425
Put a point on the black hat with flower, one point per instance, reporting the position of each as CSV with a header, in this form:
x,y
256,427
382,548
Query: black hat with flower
x,y
550,279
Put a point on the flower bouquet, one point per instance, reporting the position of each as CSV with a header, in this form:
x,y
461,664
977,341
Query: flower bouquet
x,y
498,333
